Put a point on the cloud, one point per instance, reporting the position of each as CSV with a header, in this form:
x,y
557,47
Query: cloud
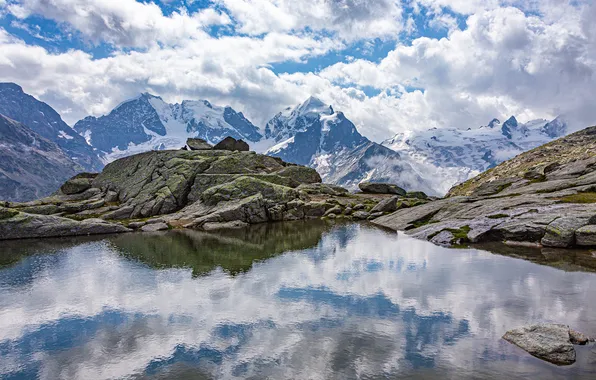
x,y
124,23
349,19
531,59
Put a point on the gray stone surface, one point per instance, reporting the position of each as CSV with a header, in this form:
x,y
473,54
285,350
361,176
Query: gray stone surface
x,y
550,342
198,144
586,235
386,205
154,227
381,188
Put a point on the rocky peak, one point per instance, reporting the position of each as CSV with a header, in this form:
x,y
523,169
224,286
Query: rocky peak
x,y
494,122
509,126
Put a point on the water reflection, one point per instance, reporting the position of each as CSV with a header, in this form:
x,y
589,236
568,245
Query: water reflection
x,y
301,301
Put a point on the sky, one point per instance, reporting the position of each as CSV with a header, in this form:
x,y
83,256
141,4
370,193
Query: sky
x,y
389,65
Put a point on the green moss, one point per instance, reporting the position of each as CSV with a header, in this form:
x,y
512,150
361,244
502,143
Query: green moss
x,y
460,233
244,187
497,216
7,213
422,221
580,198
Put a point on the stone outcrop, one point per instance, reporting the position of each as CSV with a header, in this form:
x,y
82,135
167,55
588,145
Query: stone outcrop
x,y
381,188
203,189
550,342
506,204
230,143
198,144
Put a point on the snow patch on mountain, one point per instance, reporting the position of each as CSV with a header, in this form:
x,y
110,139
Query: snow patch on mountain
x,y
147,122
459,154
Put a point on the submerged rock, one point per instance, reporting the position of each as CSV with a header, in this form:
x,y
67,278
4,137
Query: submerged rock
x,y
550,342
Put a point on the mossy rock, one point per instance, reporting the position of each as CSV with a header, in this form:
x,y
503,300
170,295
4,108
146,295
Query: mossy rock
x,y
244,187
7,213
300,174
417,195
76,185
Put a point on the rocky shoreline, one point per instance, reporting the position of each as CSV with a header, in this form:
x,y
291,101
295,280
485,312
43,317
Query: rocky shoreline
x,y
199,187
542,198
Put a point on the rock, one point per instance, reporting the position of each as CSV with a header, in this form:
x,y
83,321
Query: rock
x,y
244,187
154,227
348,211
7,213
386,205
111,196
198,144
155,221
230,143
360,215
586,235
323,188
331,216
212,226
76,185
121,213
42,209
444,238
381,188
375,215
22,225
417,195
314,209
301,175
136,225
334,210
550,342
575,337
359,207
561,232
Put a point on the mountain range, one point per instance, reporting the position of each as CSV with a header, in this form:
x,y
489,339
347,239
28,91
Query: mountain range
x,y
311,133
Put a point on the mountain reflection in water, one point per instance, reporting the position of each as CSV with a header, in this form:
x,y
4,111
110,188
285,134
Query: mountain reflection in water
x,y
291,300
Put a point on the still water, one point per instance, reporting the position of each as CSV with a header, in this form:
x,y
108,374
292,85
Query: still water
x,y
280,301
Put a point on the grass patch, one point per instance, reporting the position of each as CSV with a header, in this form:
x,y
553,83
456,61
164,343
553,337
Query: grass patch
x,y
498,216
422,221
580,198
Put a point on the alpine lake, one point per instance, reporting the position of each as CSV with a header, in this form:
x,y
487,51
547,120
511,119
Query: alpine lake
x,y
294,300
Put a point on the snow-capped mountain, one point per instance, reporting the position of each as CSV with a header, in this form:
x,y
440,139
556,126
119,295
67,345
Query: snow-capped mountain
x,y
314,134
45,121
147,122
475,150
31,166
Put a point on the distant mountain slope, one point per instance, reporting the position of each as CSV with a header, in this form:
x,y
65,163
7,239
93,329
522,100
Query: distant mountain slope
x,y
45,121
148,123
31,166
555,159
476,149
314,134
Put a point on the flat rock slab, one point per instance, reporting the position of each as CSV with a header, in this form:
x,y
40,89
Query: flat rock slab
x,y
154,227
550,342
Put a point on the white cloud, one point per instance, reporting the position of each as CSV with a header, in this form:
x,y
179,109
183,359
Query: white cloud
x,y
505,62
123,22
350,19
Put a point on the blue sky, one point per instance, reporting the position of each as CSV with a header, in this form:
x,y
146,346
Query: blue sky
x,y
390,65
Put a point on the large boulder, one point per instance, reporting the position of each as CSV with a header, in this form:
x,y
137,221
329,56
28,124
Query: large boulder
x,y
550,342
586,235
20,225
230,143
381,188
244,187
78,183
198,144
561,232
386,205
